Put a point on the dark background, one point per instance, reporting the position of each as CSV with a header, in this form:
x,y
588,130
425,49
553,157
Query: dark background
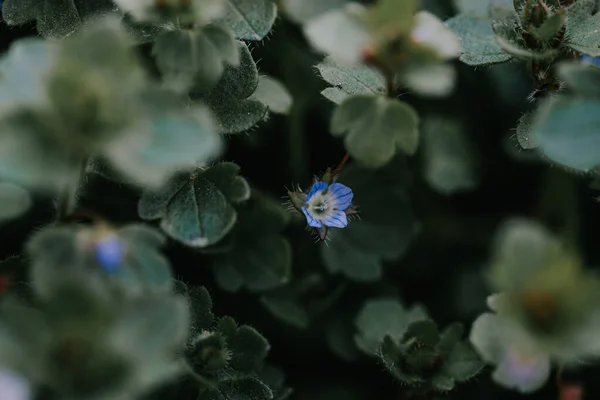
x,y
442,270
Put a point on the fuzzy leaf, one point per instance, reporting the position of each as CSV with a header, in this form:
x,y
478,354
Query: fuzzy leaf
x,y
349,80
55,18
250,19
273,94
567,131
195,57
384,232
524,131
583,37
196,208
275,379
14,201
235,112
383,317
551,26
477,39
261,257
374,127
424,331
249,350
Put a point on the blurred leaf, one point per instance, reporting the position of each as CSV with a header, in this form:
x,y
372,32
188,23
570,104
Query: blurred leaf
x,y
583,79
250,19
261,257
385,229
286,310
195,57
567,131
14,201
196,208
374,127
55,18
273,94
449,157
302,10
551,26
348,80
463,362
339,34
383,317
435,80
230,99
275,379
477,39
193,12
65,253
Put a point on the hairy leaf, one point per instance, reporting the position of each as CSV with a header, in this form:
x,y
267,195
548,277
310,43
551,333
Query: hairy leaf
x,y
349,80
250,19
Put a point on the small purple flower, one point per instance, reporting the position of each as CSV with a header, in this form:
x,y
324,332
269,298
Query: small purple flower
x,y
109,250
327,205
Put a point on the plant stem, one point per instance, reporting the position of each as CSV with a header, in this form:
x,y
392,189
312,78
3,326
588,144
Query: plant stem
x,y
67,198
341,164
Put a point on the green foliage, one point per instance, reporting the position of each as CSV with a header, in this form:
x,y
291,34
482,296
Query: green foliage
x,y
374,127
224,359
412,348
15,201
196,207
385,231
260,258
55,18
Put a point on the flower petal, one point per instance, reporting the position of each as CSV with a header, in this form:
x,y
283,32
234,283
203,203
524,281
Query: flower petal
x,y
318,186
342,195
310,219
526,372
336,219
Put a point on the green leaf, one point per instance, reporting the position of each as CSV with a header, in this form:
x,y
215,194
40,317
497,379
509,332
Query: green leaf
x,y
449,338
463,362
425,332
287,310
273,94
196,208
450,159
339,34
551,26
65,253
301,11
250,19
230,100
578,12
349,80
261,257
524,126
14,201
243,389
567,131
384,232
248,350
195,57
374,127
478,40
383,317
583,36
581,78
55,18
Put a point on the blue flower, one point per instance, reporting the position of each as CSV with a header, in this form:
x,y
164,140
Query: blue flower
x,y
591,60
326,205
109,250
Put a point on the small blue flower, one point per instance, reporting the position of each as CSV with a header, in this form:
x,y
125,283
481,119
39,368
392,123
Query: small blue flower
x,y
326,205
591,60
109,250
